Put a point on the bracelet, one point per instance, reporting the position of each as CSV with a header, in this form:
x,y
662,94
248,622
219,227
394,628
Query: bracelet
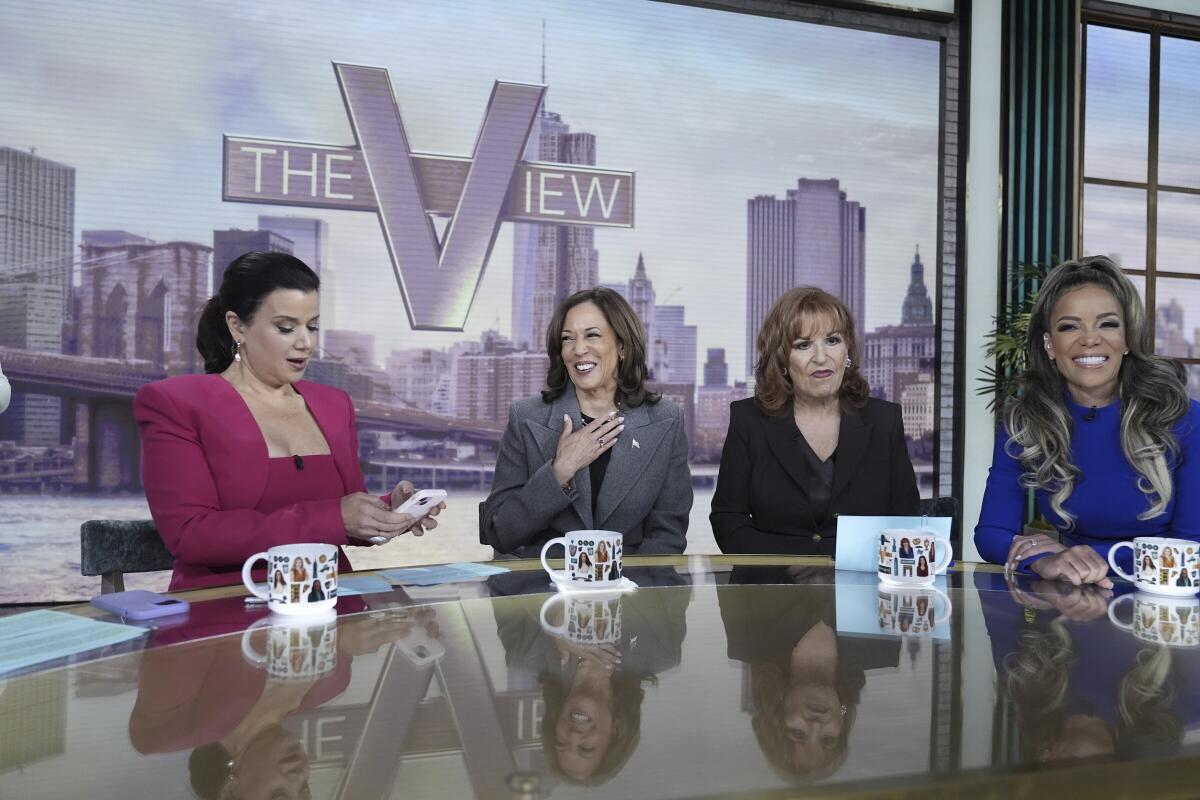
x,y
568,488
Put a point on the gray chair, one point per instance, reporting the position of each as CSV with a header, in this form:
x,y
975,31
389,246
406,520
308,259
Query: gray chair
x,y
941,507
110,548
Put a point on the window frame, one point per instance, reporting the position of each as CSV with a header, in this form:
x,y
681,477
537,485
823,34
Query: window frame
x,y
1156,24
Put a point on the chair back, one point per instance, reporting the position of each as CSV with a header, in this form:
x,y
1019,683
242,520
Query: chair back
x,y
941,507
110,548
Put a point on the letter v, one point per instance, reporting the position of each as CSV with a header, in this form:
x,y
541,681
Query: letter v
x,y
437,282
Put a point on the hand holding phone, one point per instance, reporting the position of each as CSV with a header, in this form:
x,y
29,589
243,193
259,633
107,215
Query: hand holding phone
x,y
422,503
417,507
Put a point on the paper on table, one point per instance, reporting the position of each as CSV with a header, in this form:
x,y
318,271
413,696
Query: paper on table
x,y
858,537
445,573
42,635
350,585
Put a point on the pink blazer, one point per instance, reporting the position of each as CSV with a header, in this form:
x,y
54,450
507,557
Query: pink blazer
x,y
204,468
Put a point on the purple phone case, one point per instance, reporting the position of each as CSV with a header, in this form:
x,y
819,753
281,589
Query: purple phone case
x,y
140,604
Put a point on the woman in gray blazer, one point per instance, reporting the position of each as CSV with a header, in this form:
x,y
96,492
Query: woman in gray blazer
x,y
597,449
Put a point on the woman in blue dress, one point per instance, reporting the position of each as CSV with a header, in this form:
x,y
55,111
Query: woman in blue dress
x,y
1101,428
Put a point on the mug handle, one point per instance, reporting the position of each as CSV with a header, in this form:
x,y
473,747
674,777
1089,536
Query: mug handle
x,y
249,581
1112,562
556,630
562,576
1112,607
248,652
946,551
947,607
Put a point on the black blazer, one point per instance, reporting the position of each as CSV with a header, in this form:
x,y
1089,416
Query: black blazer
x,y
761,504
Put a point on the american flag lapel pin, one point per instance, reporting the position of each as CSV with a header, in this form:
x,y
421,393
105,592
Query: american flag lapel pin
x,y
635,444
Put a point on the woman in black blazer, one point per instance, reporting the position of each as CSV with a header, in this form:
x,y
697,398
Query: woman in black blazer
x,y
811,444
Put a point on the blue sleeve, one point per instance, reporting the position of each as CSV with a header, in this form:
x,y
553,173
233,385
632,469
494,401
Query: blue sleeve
x,y
1002,515
1185,522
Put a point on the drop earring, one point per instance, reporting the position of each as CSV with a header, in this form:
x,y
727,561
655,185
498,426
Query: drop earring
x,y
237,351
849,363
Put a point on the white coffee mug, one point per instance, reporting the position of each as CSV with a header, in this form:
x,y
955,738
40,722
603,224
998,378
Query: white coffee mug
x,y
587,619
1158,620
297,649
593,559
301,578
1161,566
912,611
911,557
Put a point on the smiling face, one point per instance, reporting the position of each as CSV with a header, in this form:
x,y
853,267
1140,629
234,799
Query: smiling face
x,y
280,339
582,733
1087,343
817,360
590,350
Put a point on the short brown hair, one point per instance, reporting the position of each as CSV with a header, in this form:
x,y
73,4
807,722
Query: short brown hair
x,y
790,318
632,372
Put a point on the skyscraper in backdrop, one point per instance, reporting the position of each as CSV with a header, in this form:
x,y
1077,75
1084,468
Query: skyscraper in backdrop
x,y
564,257
37,239
815,236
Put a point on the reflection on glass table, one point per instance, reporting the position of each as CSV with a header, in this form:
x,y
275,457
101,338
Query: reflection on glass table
x,y
717,677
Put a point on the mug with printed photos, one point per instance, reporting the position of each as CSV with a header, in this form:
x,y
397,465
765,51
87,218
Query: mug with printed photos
x,y
301,578
593,559
296,649
912,557
1158,620
588,619
1161,566
911,611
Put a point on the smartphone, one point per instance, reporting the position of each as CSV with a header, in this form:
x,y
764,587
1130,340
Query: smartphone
x,y
140,604
420,648
422,503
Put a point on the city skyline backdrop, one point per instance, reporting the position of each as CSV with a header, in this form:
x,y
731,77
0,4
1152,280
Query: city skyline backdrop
x,y
797,101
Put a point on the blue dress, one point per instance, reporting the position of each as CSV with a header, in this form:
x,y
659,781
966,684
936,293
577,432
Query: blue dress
x,y
1106,500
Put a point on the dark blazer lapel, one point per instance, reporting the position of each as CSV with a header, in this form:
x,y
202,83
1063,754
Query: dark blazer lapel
x,y
628,462
854,435
546,435
781,434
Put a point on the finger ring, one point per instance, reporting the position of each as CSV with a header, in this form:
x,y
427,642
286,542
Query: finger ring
x,y
600,441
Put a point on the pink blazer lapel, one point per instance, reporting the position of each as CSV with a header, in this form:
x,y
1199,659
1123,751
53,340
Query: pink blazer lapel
x,y
334,413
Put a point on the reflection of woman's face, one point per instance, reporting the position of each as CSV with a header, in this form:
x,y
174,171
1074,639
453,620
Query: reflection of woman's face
x,y
1082,736
582,733
273,767
812,714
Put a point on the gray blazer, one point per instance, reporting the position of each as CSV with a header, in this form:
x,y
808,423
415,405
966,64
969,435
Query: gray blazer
x,y
647,491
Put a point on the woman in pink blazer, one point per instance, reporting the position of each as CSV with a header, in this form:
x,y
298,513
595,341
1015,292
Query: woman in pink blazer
x,y
249,456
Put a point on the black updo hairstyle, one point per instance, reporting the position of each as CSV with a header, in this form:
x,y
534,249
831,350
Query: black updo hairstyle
x,y
249,278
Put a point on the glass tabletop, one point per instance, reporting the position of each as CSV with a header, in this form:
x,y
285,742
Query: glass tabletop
x,y
715,677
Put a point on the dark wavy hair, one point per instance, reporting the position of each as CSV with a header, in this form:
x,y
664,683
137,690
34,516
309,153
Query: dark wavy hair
x,y
1152,391
794,315
248,279
632,372
627,695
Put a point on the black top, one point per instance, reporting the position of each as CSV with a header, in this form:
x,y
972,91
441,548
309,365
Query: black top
x,y
769,499
820,473
598,467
